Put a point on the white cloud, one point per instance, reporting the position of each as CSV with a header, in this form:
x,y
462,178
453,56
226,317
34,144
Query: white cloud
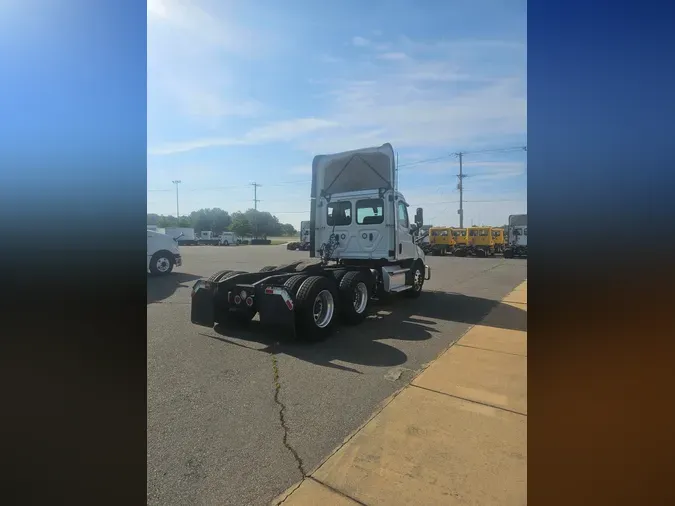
x,y
440,95
305,169
360,41
191,59
392,56
280,131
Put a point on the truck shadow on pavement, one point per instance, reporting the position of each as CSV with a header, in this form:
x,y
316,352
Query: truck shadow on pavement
x,y
414,320
163,287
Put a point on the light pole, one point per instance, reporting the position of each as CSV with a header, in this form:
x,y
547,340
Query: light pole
x,y
177,182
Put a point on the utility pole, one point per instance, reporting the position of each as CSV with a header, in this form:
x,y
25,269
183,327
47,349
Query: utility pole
x,y
177,182
255,205
460,187
255,195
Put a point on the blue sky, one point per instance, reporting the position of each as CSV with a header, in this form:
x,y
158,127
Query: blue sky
x,y
251,91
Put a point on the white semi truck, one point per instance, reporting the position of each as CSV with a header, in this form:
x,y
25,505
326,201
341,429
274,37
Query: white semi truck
x,y
362,245
163,253
517,237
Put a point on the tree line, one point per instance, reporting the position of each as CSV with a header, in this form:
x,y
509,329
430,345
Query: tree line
x,y
253,223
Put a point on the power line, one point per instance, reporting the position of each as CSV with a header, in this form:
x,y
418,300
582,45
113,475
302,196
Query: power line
x,y
460,186
423,204
451,155
233,187
403,165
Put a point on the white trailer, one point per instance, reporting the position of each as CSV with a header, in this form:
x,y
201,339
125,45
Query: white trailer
x,y
184,235
362,245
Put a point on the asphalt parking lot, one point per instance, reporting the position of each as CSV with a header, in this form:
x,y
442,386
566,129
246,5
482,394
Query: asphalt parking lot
x,y
235,416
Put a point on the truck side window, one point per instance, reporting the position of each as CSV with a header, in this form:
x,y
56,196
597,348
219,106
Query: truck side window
x,y
370,212
403,215
339,214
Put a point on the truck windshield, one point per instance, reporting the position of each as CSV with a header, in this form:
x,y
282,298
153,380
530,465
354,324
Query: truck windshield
x,y
339,214
370,212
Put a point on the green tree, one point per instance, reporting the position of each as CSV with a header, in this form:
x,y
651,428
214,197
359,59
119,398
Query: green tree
x,y
240,224
262,223
214,219
153,219
288,230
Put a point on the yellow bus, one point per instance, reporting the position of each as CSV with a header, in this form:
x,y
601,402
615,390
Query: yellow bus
x,y
441,240
481,241
498,236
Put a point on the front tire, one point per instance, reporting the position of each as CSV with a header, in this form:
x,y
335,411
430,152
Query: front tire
x,y
417,275
316,308
161,263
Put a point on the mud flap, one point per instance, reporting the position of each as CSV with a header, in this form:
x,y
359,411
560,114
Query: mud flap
x,y
202,307
276,309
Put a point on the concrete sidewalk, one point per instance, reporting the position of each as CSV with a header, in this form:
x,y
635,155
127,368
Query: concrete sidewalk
x,y
456,435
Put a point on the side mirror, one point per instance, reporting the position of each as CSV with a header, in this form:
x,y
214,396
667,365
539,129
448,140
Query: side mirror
x,y
419,217
413,228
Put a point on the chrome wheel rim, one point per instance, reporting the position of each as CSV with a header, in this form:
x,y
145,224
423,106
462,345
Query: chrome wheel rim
x,y
323,309
360,297
417,280
163,264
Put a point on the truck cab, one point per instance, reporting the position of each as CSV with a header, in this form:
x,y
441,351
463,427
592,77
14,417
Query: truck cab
x,y
163,253
368,225
517,237
356,210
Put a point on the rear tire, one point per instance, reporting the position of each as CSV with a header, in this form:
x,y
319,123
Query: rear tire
x,y
293,283
316,308
354,297
216,277
508,253
338,275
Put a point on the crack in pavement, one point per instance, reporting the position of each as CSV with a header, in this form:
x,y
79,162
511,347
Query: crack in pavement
x,y
282,419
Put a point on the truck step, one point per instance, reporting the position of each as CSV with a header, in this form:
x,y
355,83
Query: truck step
x,y
400,288
400,271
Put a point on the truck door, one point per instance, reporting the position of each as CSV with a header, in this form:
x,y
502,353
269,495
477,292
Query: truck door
x,y
405,247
